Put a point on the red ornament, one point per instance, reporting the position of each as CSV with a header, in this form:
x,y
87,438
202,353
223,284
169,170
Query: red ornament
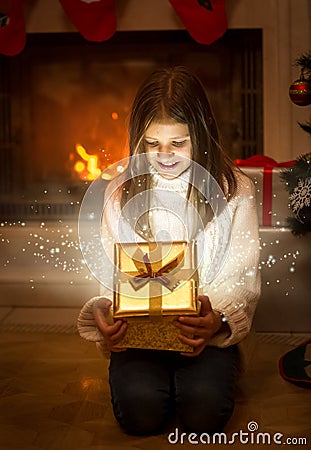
x,y
300,92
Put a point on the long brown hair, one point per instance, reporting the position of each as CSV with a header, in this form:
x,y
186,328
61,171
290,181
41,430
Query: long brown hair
x,y
176,93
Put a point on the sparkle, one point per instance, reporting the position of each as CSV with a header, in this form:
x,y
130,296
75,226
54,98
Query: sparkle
x,y
44,245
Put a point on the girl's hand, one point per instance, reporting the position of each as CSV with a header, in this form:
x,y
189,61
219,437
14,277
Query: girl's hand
x,y
202,328
113,332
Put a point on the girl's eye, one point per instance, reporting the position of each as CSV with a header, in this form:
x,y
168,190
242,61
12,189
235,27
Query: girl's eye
x,y
179,143
151,143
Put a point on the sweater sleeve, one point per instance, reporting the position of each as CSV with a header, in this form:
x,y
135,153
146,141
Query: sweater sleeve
x,y
236,288
88,329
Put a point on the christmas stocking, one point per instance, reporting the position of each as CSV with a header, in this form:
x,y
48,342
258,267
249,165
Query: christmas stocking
x,y
205,21
94,19
12,27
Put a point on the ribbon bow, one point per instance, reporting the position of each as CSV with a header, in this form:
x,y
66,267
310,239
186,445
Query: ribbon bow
x,y
148,270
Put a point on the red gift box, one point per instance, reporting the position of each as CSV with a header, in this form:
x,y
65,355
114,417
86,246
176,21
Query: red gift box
x,y
271,195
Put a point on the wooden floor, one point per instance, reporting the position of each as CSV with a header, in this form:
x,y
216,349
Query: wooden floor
x,y
54,395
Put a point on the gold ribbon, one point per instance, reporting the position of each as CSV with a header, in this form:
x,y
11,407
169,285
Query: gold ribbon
x,y
150,270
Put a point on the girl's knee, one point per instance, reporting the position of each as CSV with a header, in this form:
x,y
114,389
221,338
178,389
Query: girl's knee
x,y
205,413
142,412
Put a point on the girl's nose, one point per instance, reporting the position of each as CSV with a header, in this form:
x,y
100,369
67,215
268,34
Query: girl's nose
x,y
165,149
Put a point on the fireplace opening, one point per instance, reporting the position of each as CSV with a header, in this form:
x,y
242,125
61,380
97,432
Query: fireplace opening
x,y
65,104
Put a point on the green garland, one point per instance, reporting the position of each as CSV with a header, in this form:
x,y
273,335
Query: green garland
x,y
298,177
298,183
304,61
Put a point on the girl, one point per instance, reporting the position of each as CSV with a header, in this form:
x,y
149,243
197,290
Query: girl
x,y
173,128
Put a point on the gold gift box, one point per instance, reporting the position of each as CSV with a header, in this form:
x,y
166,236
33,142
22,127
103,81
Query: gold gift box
x,y
154,284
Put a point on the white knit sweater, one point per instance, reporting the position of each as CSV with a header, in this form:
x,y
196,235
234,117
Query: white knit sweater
x,y
235,289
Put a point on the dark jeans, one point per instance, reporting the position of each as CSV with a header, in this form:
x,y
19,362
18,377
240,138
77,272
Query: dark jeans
x,y
150,387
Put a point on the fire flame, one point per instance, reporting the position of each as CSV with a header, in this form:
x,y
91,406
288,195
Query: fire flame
x,y
89,167
88,170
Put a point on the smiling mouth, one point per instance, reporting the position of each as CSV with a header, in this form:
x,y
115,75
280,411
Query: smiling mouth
x,y
168,165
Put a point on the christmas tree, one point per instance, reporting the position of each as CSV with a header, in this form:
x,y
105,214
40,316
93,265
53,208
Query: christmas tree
x,y
298,177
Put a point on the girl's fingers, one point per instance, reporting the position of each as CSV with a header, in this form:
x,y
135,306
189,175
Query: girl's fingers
x,y
107,330
117,349
191,341
199,322
112,332
186,329
196,352
114,329
204,333
116,337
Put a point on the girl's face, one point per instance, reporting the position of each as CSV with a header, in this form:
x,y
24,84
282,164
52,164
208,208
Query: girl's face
x,y
168,146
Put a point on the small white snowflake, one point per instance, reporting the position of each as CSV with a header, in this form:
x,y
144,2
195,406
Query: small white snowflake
x,y
301,195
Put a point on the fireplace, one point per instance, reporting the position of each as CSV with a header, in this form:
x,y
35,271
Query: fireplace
x,y
65,105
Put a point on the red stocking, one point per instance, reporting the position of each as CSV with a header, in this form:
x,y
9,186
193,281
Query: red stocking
x,y
12,27
94,19
205,21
